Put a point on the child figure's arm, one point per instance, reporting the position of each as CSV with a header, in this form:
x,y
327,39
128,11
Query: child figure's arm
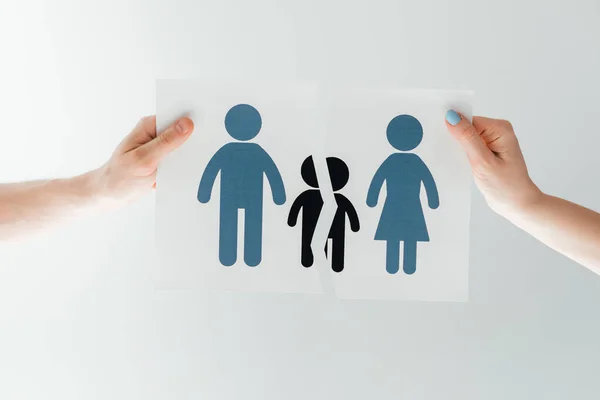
x,y
433,197
210,175
351,212
295,210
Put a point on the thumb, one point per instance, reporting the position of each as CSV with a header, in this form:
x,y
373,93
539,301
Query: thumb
x,y
468,137
173,137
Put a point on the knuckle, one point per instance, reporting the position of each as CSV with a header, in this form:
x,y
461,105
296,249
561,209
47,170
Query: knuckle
x,y
145,165
165,138
469,134
505,124
146,121
487,163
482,167
142,158
139,156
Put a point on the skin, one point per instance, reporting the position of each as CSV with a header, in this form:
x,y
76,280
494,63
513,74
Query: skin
x,y
129,173
491,146
501,175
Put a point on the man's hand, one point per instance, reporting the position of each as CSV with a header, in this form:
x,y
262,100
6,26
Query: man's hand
x,y
31,206
131,170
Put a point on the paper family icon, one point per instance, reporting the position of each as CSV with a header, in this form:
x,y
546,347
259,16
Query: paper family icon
x,y
243,166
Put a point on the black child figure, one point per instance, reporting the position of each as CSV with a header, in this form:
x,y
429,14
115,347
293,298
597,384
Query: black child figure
x,y
311,203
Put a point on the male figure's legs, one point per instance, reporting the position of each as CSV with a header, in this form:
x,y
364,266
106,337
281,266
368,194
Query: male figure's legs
x,y
253,233
228,227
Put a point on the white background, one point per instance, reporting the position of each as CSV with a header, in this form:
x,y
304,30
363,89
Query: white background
x,y
78,315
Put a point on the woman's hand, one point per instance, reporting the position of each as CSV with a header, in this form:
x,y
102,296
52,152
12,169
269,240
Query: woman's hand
x,y
501,175
497,162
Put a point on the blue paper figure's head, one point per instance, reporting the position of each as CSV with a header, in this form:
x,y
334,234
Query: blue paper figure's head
x,y
243,122
404,132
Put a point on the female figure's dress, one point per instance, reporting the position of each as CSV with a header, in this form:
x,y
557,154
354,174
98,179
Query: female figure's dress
x,y
402,217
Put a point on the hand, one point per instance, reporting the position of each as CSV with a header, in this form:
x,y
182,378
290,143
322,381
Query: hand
x,y
291,221
371,201
434,203
131,170
203,196
497,162
279,199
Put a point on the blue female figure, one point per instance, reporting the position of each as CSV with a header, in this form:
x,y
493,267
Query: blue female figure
x,y
402,218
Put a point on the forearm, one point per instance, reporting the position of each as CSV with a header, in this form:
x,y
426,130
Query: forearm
x,y
129,173
29,206
568,228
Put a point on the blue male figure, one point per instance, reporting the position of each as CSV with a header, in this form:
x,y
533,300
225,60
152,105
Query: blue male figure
x,y
242,166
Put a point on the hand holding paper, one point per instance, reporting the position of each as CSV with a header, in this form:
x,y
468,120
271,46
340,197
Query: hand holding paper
x,y
501,174
131,170
214,198
129,173
497,162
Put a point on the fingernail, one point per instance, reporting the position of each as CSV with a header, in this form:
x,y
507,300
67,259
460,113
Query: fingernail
x,y
452,117
183,126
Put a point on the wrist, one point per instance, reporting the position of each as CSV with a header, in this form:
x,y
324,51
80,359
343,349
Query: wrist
x,y
525,207
111,188
86,187
93,190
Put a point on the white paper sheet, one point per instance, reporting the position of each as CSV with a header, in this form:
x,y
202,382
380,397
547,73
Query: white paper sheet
x,y
346,126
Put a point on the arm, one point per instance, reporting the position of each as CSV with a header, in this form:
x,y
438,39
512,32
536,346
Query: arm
x,y
130,172
501,174
295,210
274,178
31,206
375,187
566,227
433,197
352,215
209,176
